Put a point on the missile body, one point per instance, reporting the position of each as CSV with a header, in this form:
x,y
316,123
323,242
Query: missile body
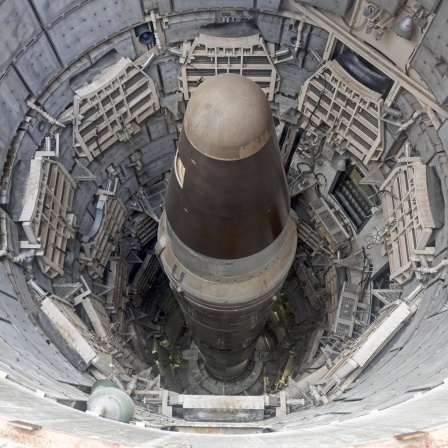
x,y
226,239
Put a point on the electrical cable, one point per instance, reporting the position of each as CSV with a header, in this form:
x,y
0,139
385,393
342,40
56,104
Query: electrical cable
x,y
312,369
374,239
304,163
200,71
318,101
319,185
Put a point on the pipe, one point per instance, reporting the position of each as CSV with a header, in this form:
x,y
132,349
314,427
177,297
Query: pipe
x,y
175,51
287,371
40,292
282,52
426,110
316,55
48,117
24,256
407,149
434,269
156,34
148,61
119,383
132,385
299,38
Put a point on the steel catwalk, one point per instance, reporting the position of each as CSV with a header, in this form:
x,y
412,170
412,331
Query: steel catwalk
x,y
227,237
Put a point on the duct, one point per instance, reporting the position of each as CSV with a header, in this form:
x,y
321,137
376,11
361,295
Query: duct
x,y
365,73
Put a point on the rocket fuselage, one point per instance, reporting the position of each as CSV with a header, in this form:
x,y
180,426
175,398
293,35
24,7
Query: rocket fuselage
x,y
226,239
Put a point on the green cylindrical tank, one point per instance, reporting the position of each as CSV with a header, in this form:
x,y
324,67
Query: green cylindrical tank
x,y
111,403
102,383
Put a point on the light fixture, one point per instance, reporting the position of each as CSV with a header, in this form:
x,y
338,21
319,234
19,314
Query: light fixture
x,y
144,34
405,27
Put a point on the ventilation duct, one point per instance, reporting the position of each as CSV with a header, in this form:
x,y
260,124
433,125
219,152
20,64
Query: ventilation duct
x,y
364,73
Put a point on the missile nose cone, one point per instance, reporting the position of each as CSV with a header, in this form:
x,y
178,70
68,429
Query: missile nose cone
x,y
228,197
228,118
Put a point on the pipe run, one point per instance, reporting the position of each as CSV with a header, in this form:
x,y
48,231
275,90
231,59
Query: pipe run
x,y
47,116
156,34
434,269
22,257
426,110
299,38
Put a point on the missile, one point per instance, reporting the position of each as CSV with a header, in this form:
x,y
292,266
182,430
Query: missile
x,y
227,237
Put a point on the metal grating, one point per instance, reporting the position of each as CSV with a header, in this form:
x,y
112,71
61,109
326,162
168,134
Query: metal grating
x,y
308,236
332,293
342,329
408,219
374,177
96,250
211,55
334,231
153,200
144,279
305,281
111,108
143,229
348,303
351,111
347,308
80,172
117,296
387,295
45,217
